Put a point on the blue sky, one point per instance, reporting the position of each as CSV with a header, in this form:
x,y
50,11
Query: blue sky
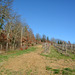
x,y
54,18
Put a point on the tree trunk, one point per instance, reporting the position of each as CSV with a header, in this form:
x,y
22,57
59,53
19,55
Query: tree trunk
x,y
7,42
21,36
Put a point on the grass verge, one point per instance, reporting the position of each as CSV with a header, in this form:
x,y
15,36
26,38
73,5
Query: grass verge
x,y
15,53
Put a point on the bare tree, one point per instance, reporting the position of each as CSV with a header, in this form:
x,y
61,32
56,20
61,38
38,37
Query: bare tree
x,y
38,38
5,11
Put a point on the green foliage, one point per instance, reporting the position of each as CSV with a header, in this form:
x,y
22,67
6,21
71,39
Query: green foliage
x,y
58,42
43,38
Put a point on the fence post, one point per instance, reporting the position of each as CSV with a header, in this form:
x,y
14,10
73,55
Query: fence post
x,y
49,47
66,48
71,47
62,46
74,48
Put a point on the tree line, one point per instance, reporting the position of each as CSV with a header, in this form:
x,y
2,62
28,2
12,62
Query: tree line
x,y
17,34
13,32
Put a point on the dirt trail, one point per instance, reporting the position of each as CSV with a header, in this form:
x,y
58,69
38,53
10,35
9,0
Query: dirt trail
x,y
37,63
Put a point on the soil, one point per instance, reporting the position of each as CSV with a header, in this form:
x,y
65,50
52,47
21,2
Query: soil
x,y
37,63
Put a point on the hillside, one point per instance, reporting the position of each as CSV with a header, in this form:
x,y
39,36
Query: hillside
x,y
34,62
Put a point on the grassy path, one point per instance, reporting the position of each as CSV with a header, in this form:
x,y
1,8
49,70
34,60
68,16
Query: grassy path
x,y
32,62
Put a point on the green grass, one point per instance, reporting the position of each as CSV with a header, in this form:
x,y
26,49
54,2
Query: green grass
x,y
12,72
64,71
18,72
55,54
68,71
56,71
72,55
48,68
9,54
